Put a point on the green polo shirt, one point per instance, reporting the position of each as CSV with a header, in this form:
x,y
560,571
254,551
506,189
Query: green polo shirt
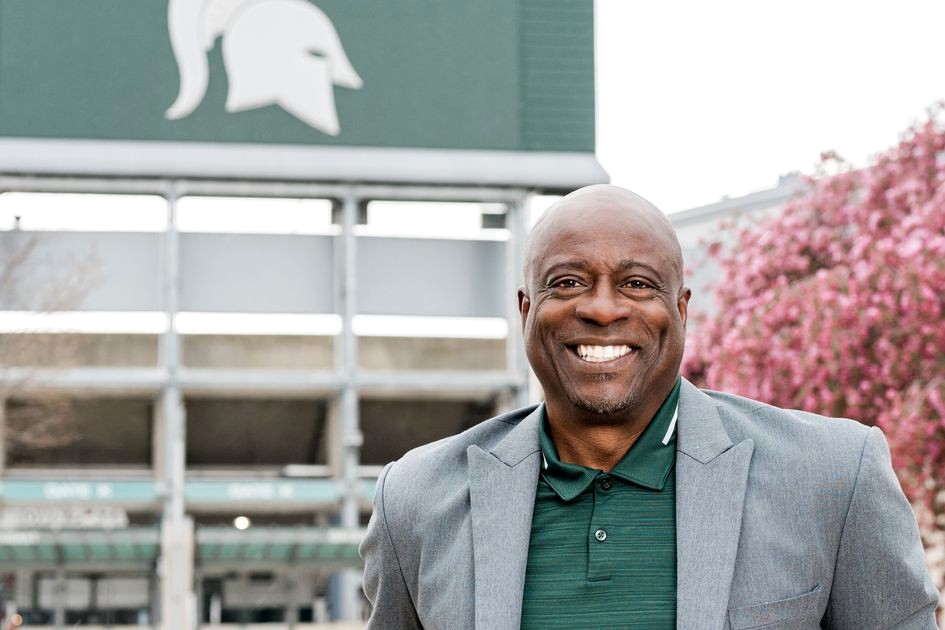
x,y
602,552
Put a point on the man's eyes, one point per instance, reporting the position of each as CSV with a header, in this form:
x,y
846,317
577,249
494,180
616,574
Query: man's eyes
x,y
565,283
574,283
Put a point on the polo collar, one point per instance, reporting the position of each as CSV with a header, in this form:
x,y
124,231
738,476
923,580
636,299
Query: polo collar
x,y
647,463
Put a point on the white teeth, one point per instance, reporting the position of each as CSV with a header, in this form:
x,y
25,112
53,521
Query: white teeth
x,y
597,354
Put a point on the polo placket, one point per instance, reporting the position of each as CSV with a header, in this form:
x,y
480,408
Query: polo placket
x,y
602,551
602,533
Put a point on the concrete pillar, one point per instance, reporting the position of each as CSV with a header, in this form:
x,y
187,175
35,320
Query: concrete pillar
x,y
243,587
177,562
59,599
216,610
291,583
23,591
320,610
350,439
333,432
178,604
154,597
158,448
93,591
198,598
515,360
3,435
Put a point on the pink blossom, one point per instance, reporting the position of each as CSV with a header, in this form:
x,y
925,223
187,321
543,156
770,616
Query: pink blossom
x,y
837,305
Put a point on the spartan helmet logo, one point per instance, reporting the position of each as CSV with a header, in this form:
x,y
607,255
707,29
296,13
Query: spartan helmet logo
x,y
276,52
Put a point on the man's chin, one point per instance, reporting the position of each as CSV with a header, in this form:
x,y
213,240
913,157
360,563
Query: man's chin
x,y
605,407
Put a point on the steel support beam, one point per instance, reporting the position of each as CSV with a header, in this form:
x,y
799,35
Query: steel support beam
x,y
346,274
59,598
177,531
225,188
516,362
222,382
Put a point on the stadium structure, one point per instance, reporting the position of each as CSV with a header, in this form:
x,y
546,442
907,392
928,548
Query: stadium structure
x,y
195,405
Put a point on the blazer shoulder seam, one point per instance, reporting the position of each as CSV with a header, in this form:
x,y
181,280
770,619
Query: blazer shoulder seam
x,y
856,483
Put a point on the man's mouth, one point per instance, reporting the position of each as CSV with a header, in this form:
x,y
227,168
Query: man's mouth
x,y
601,354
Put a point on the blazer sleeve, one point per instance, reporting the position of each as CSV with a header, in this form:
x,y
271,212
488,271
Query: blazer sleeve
x,y
880,579
384,583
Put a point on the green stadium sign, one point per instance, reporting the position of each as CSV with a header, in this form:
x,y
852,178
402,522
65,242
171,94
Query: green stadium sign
x,y
125,86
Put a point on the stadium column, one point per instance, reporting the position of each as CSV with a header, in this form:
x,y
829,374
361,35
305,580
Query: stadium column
x,y
60,589
516,363
290,585
23,593
346,597
177,530
3,435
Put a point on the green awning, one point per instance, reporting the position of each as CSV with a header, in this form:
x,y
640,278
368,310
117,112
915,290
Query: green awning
x,y
278,546
216,547
133,547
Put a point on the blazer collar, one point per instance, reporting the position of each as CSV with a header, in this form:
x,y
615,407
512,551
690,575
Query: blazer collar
x,y
700,435
700,431
522,440
711,482
703,438
502,485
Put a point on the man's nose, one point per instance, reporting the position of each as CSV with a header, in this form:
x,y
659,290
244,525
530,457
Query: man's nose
x,y
603,305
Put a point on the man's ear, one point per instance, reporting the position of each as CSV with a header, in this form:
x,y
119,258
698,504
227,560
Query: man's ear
x,y
524,303
682,303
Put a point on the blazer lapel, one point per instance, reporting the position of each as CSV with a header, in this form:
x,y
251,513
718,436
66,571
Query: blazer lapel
x,y
711,478
502,486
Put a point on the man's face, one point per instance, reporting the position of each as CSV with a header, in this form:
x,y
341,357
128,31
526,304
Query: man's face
x,y
604,313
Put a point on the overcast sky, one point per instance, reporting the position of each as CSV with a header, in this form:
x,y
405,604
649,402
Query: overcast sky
x,y
696,100
700,100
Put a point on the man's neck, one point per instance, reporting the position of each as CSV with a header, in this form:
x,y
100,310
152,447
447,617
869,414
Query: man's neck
x,y
600,446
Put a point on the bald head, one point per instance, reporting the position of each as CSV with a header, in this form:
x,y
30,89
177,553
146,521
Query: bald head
x,y
608,207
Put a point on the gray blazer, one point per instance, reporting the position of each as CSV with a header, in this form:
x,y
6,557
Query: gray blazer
x,y
784,519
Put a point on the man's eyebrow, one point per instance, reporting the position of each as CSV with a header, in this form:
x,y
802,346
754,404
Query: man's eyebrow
x,y
565,264
582,265
631,264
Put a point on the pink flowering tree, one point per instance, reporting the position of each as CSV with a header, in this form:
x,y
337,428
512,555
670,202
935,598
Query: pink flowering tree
x,y
837,306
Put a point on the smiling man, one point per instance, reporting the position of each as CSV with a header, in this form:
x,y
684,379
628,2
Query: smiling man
x,y
629,498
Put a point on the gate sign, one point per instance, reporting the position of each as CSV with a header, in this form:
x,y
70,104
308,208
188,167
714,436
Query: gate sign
x,y
63,517
77,492
453,91
255,492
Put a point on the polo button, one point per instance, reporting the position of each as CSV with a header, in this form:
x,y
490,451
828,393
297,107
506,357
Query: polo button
x,y
600,535
606,483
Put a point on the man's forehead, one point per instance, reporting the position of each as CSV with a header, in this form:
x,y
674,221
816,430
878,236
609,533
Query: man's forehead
x,y
604,198
599,209
583,227
604,215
